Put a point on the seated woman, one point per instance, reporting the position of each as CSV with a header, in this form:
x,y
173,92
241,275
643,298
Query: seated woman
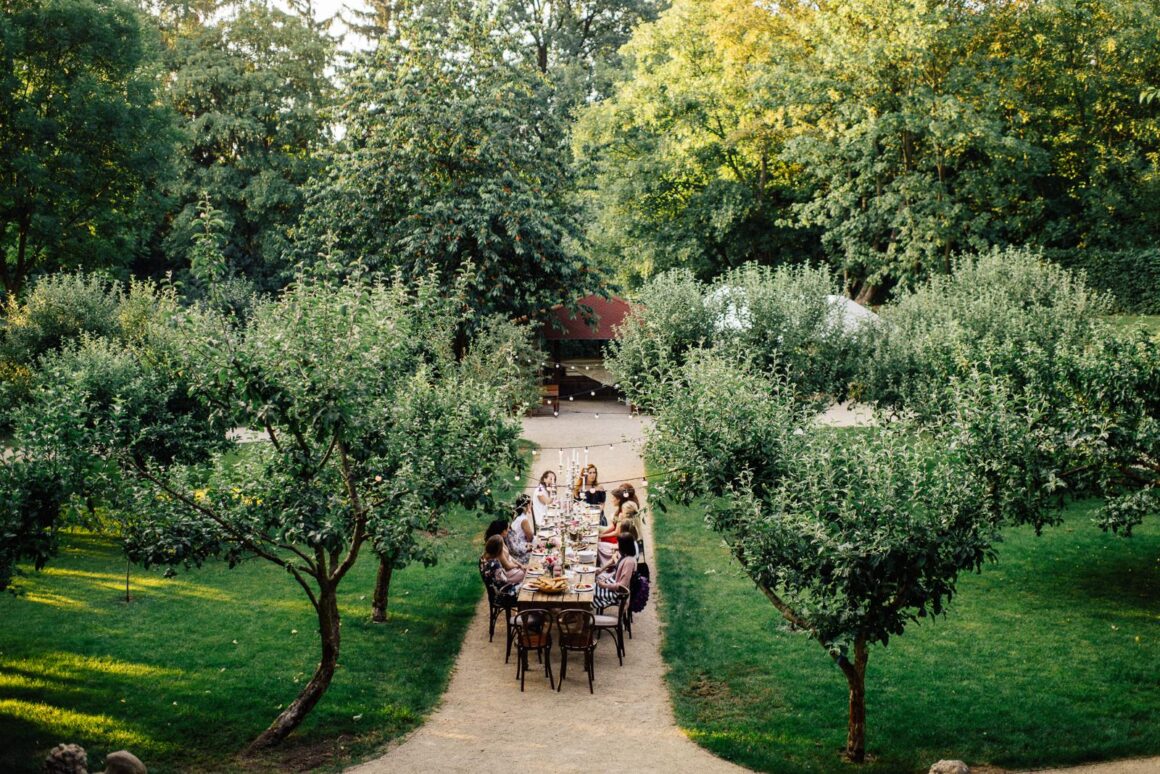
x,y
497,567
544,497
497,527
625,515
521,534
588,488
614,581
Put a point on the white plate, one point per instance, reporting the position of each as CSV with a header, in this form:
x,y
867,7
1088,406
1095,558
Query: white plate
x,y
582,587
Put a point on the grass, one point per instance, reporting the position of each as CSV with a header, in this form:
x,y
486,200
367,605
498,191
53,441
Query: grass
x,y
196,666
1149,322
1049,657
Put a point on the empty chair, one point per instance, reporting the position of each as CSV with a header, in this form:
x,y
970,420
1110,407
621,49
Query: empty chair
x,y
577,630
615,624
533,631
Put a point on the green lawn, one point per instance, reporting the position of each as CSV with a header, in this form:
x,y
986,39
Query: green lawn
x,y
1051,656
198,665
1149,322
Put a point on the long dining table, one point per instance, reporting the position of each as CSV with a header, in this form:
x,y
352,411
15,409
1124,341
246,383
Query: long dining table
x,y
578,572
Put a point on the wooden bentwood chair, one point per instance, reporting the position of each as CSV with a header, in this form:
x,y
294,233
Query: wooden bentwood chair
x,y
616,624
533,631
499,602
577,630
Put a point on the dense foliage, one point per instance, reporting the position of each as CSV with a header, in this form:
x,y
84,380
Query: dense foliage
x,y
252,95
898,134
1071,404
451,164
83,143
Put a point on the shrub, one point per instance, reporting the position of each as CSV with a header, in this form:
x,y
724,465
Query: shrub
x,y
503,356
1004,312
59,308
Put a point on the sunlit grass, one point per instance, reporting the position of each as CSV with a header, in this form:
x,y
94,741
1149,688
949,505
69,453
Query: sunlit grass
x,y
1049,657
196,666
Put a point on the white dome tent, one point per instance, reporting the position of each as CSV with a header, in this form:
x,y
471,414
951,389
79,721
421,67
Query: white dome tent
x,y
733,310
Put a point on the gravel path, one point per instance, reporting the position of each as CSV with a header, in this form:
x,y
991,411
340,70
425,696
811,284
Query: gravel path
x,y
485,722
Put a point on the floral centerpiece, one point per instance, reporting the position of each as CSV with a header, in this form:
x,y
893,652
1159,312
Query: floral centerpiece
x,y
550,564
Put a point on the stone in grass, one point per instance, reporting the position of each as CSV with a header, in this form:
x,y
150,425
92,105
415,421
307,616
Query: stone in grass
x,y
124,762
71,759
66,759
950,767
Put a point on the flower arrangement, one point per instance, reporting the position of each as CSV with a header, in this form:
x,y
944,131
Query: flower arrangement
x,y
551,563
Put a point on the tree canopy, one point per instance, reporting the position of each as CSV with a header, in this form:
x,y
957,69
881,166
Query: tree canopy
x,y
84,142
452,163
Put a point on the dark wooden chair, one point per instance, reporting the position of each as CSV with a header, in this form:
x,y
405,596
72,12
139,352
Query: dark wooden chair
x,y
533,632
577,631
499,602
615,624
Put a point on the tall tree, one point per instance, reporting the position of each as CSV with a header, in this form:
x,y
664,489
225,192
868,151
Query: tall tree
x,y
1076,69
906,149
83,143
685,154
452,162
251,87
575,42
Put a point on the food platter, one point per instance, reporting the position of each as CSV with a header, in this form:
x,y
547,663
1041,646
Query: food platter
x,y
550,585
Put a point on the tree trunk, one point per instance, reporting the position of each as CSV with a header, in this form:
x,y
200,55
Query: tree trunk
x,y
856,677
382,589
328,628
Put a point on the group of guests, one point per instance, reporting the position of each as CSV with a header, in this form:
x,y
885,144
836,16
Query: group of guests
x,y
508,543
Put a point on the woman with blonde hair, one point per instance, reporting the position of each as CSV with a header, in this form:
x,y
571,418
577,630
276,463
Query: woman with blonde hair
x,y
588,487
627,512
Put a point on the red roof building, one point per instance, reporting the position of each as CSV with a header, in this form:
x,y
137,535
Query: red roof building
x,y
607,313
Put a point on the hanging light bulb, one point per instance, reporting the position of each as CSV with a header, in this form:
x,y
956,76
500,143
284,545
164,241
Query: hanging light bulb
x,y
570,397
593,393
555,413
598,416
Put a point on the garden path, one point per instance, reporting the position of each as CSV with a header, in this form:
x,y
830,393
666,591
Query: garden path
x,y
484,721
